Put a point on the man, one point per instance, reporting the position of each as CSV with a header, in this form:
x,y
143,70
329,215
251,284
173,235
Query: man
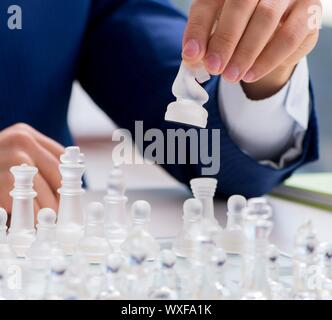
x,y
126,53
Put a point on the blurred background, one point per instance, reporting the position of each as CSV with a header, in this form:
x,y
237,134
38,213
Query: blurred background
x,y
98,132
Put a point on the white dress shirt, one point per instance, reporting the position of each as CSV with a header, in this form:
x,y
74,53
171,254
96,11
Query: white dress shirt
x,y
270,130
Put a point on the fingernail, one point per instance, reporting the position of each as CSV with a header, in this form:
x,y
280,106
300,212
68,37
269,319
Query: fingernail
x,y
231,73
249,76
213,63
191,49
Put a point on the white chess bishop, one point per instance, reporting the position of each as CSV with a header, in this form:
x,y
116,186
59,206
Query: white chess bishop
x,y
190,97
70,226
22,229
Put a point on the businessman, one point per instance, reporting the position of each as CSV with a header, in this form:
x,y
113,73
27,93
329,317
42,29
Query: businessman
x,y
126,53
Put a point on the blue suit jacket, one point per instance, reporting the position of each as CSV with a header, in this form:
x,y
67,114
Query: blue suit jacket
x,y
125,54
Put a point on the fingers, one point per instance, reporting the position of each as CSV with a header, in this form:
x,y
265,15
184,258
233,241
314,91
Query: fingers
x,y
202,16
46,197
52,146
285,42
259,31
234,18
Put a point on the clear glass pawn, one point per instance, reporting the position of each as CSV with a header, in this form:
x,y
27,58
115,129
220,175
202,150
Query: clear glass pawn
x,y
6,252
255,272
141,216
56,285
278,290
216,288
165,286
304,263
325,271
192,217
114,275
232,238
137,280
260,208
94,244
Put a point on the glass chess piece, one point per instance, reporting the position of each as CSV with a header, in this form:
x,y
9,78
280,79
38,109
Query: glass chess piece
x,y
260,207
165,280
56,284
304,263
94,244
232,237
21,232
115,208
278,290
192,217
325,271
6,252
141,216
114,279
70,224
255,285
215,288
190,97
138,275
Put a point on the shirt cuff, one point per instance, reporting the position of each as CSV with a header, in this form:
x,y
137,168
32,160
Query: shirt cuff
x,y
269,130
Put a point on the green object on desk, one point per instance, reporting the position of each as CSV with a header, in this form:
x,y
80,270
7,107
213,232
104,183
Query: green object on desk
x,y
314,189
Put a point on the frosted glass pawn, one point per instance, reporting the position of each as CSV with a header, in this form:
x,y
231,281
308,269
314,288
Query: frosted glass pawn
x,y
70,225
216,288
232,237
115,208
114,275
325,271
192,216
137,280
165,282
6,252
22,230
255,268
94,244
278,290
141,216
41,250
204,189
304,260
190,97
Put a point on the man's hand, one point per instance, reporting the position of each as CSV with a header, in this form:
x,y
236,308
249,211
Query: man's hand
x,y
256,41
20,144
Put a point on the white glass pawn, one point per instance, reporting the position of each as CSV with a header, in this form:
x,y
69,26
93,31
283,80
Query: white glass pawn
x,y
94,244
41,250
192,217
165,282
190,97
22,230
325,271
56,284
304,261
6,252
255,268
114,283
278,290
141,216
115,208
216,288
137,281
232,237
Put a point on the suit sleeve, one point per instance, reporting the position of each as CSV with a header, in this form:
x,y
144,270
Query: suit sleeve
x,y
130,58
